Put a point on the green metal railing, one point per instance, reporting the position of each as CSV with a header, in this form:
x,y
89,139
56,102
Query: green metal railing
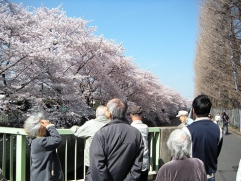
x,y
154,149
14,152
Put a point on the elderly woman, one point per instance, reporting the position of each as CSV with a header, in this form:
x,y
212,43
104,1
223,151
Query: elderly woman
x,y
181,167
45,139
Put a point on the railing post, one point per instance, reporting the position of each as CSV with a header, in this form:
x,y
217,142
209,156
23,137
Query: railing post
x,y
65,158
75,158
84,170
151,136
4,147
21,158
157,146
11,159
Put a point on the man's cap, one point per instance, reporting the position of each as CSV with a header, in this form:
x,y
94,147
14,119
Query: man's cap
x,y
182,113
135,110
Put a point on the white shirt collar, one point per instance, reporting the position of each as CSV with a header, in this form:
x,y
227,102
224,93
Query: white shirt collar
x,y
136,122
201,118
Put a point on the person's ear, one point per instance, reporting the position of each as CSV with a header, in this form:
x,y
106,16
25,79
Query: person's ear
x,y
194,114
107,114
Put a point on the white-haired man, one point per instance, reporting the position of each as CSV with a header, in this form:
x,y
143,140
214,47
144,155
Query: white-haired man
x,y
88,130
116,150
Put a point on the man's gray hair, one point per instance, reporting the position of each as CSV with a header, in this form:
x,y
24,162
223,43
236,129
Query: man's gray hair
x,y
180,144
32,124
117,108
100,111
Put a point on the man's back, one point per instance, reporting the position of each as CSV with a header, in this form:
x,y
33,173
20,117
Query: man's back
x,y
116,152
87,131
206,142
91,127
143,128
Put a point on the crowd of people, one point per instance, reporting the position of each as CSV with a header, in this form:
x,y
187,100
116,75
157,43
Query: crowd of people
x,y
117,148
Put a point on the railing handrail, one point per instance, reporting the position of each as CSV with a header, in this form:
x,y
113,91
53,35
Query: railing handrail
x,y
8,130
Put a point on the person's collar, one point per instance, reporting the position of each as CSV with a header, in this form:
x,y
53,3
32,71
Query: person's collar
x,y
201,118
101,118
184,157
39,136
136,122
118,120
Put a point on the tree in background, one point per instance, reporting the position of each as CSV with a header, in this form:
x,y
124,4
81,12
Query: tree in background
x,y
53,63
218,63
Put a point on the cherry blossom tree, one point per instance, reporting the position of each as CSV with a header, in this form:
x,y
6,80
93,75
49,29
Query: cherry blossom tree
x,y
56,64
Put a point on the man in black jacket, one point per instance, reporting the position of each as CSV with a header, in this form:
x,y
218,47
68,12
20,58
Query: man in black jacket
x,y
116,150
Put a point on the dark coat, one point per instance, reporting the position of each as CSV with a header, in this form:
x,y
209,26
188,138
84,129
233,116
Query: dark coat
x,y
116,153
44,157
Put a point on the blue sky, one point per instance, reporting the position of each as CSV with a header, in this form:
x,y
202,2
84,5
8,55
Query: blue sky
x,y
160,35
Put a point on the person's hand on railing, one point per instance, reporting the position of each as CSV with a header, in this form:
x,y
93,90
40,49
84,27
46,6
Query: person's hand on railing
x,y
74,128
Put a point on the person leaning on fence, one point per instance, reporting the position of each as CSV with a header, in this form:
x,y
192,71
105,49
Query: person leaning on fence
x,y
181,167
88,130
116,151
45,139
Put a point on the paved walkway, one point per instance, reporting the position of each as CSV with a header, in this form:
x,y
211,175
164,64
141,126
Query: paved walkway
x,y
229,157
